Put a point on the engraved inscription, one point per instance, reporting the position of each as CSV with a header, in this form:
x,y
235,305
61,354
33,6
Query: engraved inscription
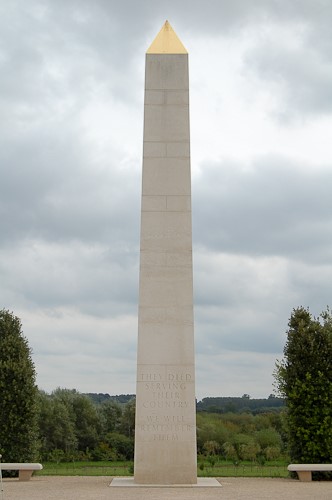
x,y
178,376
165,427
165,437
165,404
168,391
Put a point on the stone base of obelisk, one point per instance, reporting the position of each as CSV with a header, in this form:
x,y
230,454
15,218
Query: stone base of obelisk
x,y
202,482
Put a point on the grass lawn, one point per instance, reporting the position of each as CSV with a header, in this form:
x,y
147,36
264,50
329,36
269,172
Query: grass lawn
x,y
244,470
86,469
220,469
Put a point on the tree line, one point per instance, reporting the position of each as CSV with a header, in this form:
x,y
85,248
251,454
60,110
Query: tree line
x,y
213,404
241,436
243,404
72,427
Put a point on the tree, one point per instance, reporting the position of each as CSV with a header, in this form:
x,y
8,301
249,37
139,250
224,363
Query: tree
x,y
122,445
56,426
212,447
304,378
127,425
82,415
87,422
250,450
110,414
18,404
272,452
268,437
230,452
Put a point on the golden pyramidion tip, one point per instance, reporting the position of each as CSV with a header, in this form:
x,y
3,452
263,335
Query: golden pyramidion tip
x,y
167,42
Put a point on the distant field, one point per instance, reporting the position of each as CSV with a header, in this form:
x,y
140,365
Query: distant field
x,y
125,469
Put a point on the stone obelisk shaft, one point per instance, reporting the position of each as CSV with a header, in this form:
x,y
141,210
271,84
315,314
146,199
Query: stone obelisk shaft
x,y
165,434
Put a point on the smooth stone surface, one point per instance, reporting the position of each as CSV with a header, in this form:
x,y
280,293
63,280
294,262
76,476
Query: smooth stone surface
x,y
165,432
202,482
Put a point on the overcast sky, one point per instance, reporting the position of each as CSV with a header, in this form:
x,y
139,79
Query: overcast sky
x,y
71,130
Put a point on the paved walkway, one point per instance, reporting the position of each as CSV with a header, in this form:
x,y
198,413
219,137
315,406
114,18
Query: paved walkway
x,y
97,488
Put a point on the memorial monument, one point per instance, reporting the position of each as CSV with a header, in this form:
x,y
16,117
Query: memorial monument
x,y
165,432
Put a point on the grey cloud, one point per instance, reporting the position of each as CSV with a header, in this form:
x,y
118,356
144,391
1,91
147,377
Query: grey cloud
x,y
313,284
54,184
99,281
273,207
297,62
53,190
240,302
57,55
246,337
302,75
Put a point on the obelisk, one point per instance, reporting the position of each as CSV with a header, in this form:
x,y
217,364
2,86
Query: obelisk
x,y
165,433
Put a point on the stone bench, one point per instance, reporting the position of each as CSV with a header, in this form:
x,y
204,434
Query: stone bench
x,y
304,471
24,470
